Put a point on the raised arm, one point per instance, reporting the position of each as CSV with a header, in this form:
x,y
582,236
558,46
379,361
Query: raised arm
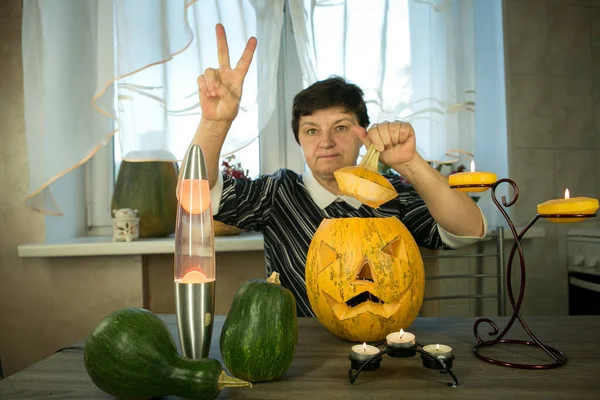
x,y
453,210
220,93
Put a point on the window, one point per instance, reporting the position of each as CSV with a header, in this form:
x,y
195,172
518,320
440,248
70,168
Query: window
x,y
276,146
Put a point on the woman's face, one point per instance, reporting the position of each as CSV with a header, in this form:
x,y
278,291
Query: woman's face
x,y
327,141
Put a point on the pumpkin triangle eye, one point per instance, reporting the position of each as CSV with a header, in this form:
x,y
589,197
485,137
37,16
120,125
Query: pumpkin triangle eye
x,y
396,248
327,255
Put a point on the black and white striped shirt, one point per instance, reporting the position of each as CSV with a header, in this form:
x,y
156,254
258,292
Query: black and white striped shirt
x,y
288,208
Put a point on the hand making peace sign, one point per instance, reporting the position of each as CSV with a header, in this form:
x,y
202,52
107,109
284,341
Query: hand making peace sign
x,y
221,89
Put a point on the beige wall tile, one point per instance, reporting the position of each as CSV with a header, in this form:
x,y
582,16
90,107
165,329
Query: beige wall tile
x,y
541,267
598,174
533,172
531,110
570,52
572,110
575,170
568,2
595,40
11,9
525,15
570,46
568,15
596,101
528,39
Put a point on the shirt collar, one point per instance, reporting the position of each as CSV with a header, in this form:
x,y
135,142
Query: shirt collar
x,y
323,197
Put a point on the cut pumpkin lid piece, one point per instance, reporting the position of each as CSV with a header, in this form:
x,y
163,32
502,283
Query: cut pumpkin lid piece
x,y
364,182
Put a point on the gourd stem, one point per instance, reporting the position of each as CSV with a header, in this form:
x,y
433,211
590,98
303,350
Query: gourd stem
x,y
274,278
370,159
230,381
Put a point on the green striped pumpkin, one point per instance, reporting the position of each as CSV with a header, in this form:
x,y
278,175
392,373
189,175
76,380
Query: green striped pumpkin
x,y
149,187
260,333
131,355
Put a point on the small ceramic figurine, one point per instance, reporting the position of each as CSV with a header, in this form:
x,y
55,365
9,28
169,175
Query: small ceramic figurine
x,y
126,225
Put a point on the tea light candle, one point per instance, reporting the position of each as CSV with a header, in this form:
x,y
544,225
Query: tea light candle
x,y
472,178
400,339
438,350
567,206
362,352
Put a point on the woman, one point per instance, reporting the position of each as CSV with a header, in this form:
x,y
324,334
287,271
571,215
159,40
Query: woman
x,y
330,124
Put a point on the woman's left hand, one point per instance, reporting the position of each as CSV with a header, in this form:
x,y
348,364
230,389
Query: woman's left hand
x,y
394,140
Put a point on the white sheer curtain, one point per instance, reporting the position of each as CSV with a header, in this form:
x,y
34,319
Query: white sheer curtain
x,y
67,59
414,59
95,67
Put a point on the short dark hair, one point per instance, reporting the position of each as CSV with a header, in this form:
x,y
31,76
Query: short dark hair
x,y
331,92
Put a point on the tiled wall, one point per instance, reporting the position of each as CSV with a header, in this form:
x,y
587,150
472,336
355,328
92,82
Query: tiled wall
x,y
553,93
552,51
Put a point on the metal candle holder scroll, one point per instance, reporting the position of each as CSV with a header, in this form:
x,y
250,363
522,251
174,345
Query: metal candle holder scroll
x,y
373,362
558,357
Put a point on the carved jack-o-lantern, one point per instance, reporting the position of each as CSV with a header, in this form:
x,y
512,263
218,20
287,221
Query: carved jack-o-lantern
x,y
364,277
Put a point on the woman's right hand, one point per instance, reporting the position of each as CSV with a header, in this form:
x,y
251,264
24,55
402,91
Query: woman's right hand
x,y
221,89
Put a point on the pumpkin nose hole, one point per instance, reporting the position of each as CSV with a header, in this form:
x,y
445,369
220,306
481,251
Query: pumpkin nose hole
x,y
365,272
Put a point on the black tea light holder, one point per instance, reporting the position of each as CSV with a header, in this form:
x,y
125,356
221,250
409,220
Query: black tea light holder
x,y
558,358
443,364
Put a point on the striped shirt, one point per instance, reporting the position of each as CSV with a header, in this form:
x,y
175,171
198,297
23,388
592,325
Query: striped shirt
x,y
288,208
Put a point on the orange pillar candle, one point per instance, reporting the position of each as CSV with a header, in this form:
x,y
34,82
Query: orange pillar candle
x,y
568,206
472,178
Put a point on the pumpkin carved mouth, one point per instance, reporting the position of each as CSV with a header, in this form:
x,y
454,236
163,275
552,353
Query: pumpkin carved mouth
x,y
361,298
365,302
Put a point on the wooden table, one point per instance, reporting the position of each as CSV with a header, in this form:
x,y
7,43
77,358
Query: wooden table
x,y
321,365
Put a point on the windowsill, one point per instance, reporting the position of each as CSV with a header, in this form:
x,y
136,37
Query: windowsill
x,y
104,246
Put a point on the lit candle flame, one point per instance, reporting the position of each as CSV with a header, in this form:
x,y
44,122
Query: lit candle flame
x,y
401,333
437,347
364,347
566,193
472,165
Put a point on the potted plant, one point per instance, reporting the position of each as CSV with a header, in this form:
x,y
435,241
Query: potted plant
x,y
235,170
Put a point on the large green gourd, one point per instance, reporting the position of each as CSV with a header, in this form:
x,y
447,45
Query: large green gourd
x,y
149,187
259,336
131,355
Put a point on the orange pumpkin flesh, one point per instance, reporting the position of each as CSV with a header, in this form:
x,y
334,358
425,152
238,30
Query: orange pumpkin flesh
x,y
364,277
364,182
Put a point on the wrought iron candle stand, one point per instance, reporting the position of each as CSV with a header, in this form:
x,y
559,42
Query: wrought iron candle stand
x,y
558,357
444,364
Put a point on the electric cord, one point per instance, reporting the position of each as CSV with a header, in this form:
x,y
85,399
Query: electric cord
x,y
80,348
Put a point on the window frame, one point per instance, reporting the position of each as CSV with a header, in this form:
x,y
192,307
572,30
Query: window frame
x,y
99,187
